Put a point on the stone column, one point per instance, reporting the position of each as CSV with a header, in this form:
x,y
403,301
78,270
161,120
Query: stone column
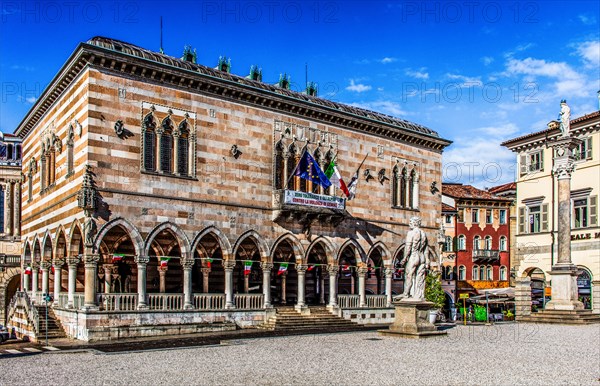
x,y
57,264
362,277
26,282
564,272
283,288
17,209
523,297
229,265
187,264
176,152
162,274
333,272
596,296
142,262
108,268
91,265
322,287
266,269
301,270
8,209
72,264
388,286
159,132
34,279
205,279
246,283
45,265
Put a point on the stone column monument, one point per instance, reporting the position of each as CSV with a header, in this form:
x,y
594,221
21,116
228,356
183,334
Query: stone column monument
x,y
564,272
412,310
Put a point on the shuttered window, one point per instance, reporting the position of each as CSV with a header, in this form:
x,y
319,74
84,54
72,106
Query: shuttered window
x,y
522,222
593,211
544,227
166,153
149,151
182,156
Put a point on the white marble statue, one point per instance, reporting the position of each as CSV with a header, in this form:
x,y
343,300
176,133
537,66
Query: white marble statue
x,y
417,262
565,118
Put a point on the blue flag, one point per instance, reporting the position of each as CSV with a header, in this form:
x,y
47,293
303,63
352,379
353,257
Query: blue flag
x,y
309,169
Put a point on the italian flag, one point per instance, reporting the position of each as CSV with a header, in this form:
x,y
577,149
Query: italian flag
x,y
282,268
209,262
164,261
247,267
335,177
28,270
117,257
311,267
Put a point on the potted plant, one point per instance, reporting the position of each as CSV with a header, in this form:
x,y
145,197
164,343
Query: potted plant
x,y
434,293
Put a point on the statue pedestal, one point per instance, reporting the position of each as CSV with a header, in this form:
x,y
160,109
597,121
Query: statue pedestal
x,y
564,288
412,320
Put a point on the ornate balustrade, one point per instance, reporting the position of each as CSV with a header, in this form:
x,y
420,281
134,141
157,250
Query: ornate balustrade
x,y
209,301
348,301
353,301
115,302
165,302
376,301
249,301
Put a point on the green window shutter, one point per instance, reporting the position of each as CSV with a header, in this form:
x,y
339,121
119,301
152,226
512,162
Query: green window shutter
x,y
544,217
593,211
588,148
523,164
454,244
522,220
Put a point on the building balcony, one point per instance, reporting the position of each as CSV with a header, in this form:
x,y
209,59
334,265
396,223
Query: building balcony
x,y
306,208
486,255
10,261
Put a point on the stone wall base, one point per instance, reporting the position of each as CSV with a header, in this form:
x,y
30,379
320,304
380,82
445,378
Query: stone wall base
x,y
368,315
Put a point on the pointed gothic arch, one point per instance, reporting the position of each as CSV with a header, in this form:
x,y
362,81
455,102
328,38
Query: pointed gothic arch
x,y
136,237
263,248
294,243
178,233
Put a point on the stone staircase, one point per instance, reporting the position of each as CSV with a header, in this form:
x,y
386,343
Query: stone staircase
x,y
54,328
319,320
561,317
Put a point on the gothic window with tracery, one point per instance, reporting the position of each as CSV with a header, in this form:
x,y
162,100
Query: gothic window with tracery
x,y
149,143
182,148
166,146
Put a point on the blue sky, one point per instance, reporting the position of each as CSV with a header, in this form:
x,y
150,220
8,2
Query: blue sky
x,y
476,72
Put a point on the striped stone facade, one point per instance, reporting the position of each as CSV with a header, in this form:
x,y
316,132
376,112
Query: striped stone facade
x,y
225,209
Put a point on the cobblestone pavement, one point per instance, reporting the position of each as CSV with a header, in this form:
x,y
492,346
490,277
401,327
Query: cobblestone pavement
x,y
511,354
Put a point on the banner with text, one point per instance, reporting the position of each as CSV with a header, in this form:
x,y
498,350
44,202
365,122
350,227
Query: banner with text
x,y
321,201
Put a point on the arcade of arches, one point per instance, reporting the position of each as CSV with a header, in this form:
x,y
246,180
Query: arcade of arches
x,y
166,261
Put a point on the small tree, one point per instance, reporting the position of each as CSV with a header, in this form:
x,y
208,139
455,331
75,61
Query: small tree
x,y
433,289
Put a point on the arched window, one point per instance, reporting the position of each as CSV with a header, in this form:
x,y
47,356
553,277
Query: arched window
x,y
149,143
462,272
403,187
411,189
477,243
481,272
488,242
182,148
489,273
395,186
475,272
280,171
9,152
448,244
462,243
503,246
502,273
166,146
294,157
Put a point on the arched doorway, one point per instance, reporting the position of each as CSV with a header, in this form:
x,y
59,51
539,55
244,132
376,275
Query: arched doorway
x,y
208,275
119,269
164,270
584,287
317,277
284,280
247,277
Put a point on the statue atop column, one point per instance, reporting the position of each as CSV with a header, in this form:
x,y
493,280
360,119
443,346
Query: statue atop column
x,y
565,118
417,262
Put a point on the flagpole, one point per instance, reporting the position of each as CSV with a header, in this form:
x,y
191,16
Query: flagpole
x,y
297,163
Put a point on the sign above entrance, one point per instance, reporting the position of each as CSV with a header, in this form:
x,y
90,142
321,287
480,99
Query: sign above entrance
x,y
463,296
318,200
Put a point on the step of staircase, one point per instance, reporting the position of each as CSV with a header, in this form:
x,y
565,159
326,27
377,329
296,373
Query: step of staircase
x,y
562,317
319,319
52,327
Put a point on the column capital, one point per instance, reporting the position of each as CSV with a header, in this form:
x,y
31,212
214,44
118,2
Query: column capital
x,y
229,264
107,267
141,259
187,263
362,271
162,269
91,260
333,269
46,264
73,260
388,271
58,262
301,268
205,270
564,168
266,266
35,265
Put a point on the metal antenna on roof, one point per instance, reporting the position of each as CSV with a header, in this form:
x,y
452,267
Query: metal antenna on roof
x,y
306,75
161,42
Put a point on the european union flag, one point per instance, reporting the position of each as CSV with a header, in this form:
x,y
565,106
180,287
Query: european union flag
x,y
309,169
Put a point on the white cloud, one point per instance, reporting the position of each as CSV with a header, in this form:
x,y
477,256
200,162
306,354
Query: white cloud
x,y
587,20
387,60
385,107
379,88
358,87
466,81
487,60
590,53
419,74
31,100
